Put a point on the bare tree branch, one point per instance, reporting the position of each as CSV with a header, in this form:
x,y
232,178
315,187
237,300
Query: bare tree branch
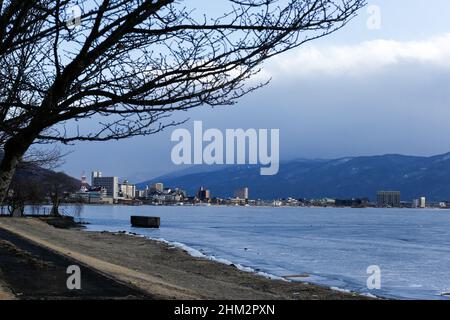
x,y
130,64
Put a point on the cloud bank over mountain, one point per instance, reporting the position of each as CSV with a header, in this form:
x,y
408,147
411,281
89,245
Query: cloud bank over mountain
x,y
361,59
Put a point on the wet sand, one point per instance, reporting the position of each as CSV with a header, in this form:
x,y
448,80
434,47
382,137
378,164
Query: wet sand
x,y
161,271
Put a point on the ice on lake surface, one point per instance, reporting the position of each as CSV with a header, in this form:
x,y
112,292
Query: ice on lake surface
x,y
333,246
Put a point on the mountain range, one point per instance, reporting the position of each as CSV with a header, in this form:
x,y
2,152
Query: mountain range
x,y
344,178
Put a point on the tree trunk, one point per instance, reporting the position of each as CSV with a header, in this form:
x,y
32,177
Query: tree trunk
x,y
14,150
17,212
7,170
55,208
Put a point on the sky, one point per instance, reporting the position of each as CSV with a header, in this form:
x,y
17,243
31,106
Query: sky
x,y
360,91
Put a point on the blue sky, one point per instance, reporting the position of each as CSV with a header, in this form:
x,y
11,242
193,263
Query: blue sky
x,y
357,92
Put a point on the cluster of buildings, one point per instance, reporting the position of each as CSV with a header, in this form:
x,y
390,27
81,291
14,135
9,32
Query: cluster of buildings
x,y
105,190
109,190
384,199
392,199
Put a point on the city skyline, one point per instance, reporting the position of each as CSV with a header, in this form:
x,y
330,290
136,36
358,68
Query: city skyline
x,y
110,190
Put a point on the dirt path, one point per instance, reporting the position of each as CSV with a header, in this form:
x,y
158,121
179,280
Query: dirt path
x,y
34,272
162,271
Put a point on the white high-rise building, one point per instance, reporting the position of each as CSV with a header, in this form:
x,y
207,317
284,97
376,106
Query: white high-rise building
x,y
422,202
127,190
241,193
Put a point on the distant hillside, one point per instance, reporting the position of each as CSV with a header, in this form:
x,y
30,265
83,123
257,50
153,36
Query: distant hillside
x,y
42,175
33,172
338,178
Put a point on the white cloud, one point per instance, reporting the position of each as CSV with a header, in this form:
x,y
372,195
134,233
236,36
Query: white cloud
x,y
361,59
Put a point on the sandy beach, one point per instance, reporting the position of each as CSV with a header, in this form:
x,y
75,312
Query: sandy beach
x,y
157,269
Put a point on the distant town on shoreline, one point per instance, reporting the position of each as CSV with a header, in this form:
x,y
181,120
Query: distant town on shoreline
x,y
108,191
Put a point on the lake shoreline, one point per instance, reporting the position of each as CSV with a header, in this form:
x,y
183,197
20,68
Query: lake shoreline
x,y
162,270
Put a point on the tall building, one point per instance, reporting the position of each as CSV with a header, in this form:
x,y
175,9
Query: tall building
x,y
422,202
203,194
157,187
241,193
111,184
388,199
95,174
127,190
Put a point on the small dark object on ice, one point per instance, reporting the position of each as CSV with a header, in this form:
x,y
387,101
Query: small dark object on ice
x,y
145,222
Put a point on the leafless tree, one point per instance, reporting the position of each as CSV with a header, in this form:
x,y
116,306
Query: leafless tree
x,y
48,158
127,65
23,192
57,187
35,184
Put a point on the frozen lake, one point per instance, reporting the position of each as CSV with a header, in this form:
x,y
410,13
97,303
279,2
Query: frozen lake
x,y
333,246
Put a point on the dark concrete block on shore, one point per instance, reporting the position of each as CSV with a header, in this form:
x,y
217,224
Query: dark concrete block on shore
x,y
145,222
